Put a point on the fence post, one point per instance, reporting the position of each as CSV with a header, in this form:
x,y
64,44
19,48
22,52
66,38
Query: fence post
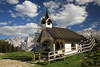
x,y
64,54
54,50
48,58
39,56
33,56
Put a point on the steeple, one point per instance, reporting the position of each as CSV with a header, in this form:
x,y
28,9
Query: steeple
x,y
46,21
46,15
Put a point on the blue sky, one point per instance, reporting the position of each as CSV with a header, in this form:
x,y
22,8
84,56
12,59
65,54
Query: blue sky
x,y
22,17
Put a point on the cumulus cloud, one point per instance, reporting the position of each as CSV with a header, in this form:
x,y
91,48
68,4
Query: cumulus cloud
x,y
51,5
12,14
69,14
27,8
22,30
10,21
3,23
80,2
13,1
83,1
70,0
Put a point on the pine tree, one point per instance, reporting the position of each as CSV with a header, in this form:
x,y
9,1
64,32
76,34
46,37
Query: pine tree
x,y
6,47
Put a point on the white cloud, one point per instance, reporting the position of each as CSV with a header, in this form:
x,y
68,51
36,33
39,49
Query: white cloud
x,y
85,1
51,5
13,1
22,30
69,14
3,23
12,14
70,0
27,8
10,21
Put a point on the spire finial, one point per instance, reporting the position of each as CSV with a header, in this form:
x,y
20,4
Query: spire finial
x,y
46,14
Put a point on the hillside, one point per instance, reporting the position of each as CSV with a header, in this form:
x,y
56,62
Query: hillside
x,y
93,57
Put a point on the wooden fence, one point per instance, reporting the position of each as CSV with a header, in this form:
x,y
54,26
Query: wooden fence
x,y
60,54
88,47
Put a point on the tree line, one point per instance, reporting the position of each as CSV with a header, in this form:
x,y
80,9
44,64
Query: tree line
x,y
6,47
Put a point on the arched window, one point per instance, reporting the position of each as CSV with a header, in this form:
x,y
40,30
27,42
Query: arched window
x,y
61,45
57,45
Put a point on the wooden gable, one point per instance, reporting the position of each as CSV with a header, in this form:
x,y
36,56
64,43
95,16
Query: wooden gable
x,y
45,36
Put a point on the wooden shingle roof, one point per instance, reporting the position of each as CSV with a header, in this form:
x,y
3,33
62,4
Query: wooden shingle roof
x,y
65,34
62,34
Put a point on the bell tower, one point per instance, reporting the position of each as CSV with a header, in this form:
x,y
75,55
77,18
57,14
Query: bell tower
x,y
46,21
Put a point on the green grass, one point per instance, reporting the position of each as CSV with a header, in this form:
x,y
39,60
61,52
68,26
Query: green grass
x,y
72,61
23,56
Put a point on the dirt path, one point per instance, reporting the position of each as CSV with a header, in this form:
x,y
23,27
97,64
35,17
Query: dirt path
x,y
14,63
1,53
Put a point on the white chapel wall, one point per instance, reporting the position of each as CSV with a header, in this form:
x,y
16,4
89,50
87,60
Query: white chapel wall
x,y
68,49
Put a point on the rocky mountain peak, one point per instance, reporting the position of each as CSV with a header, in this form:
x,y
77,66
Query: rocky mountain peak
x,y
88,33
